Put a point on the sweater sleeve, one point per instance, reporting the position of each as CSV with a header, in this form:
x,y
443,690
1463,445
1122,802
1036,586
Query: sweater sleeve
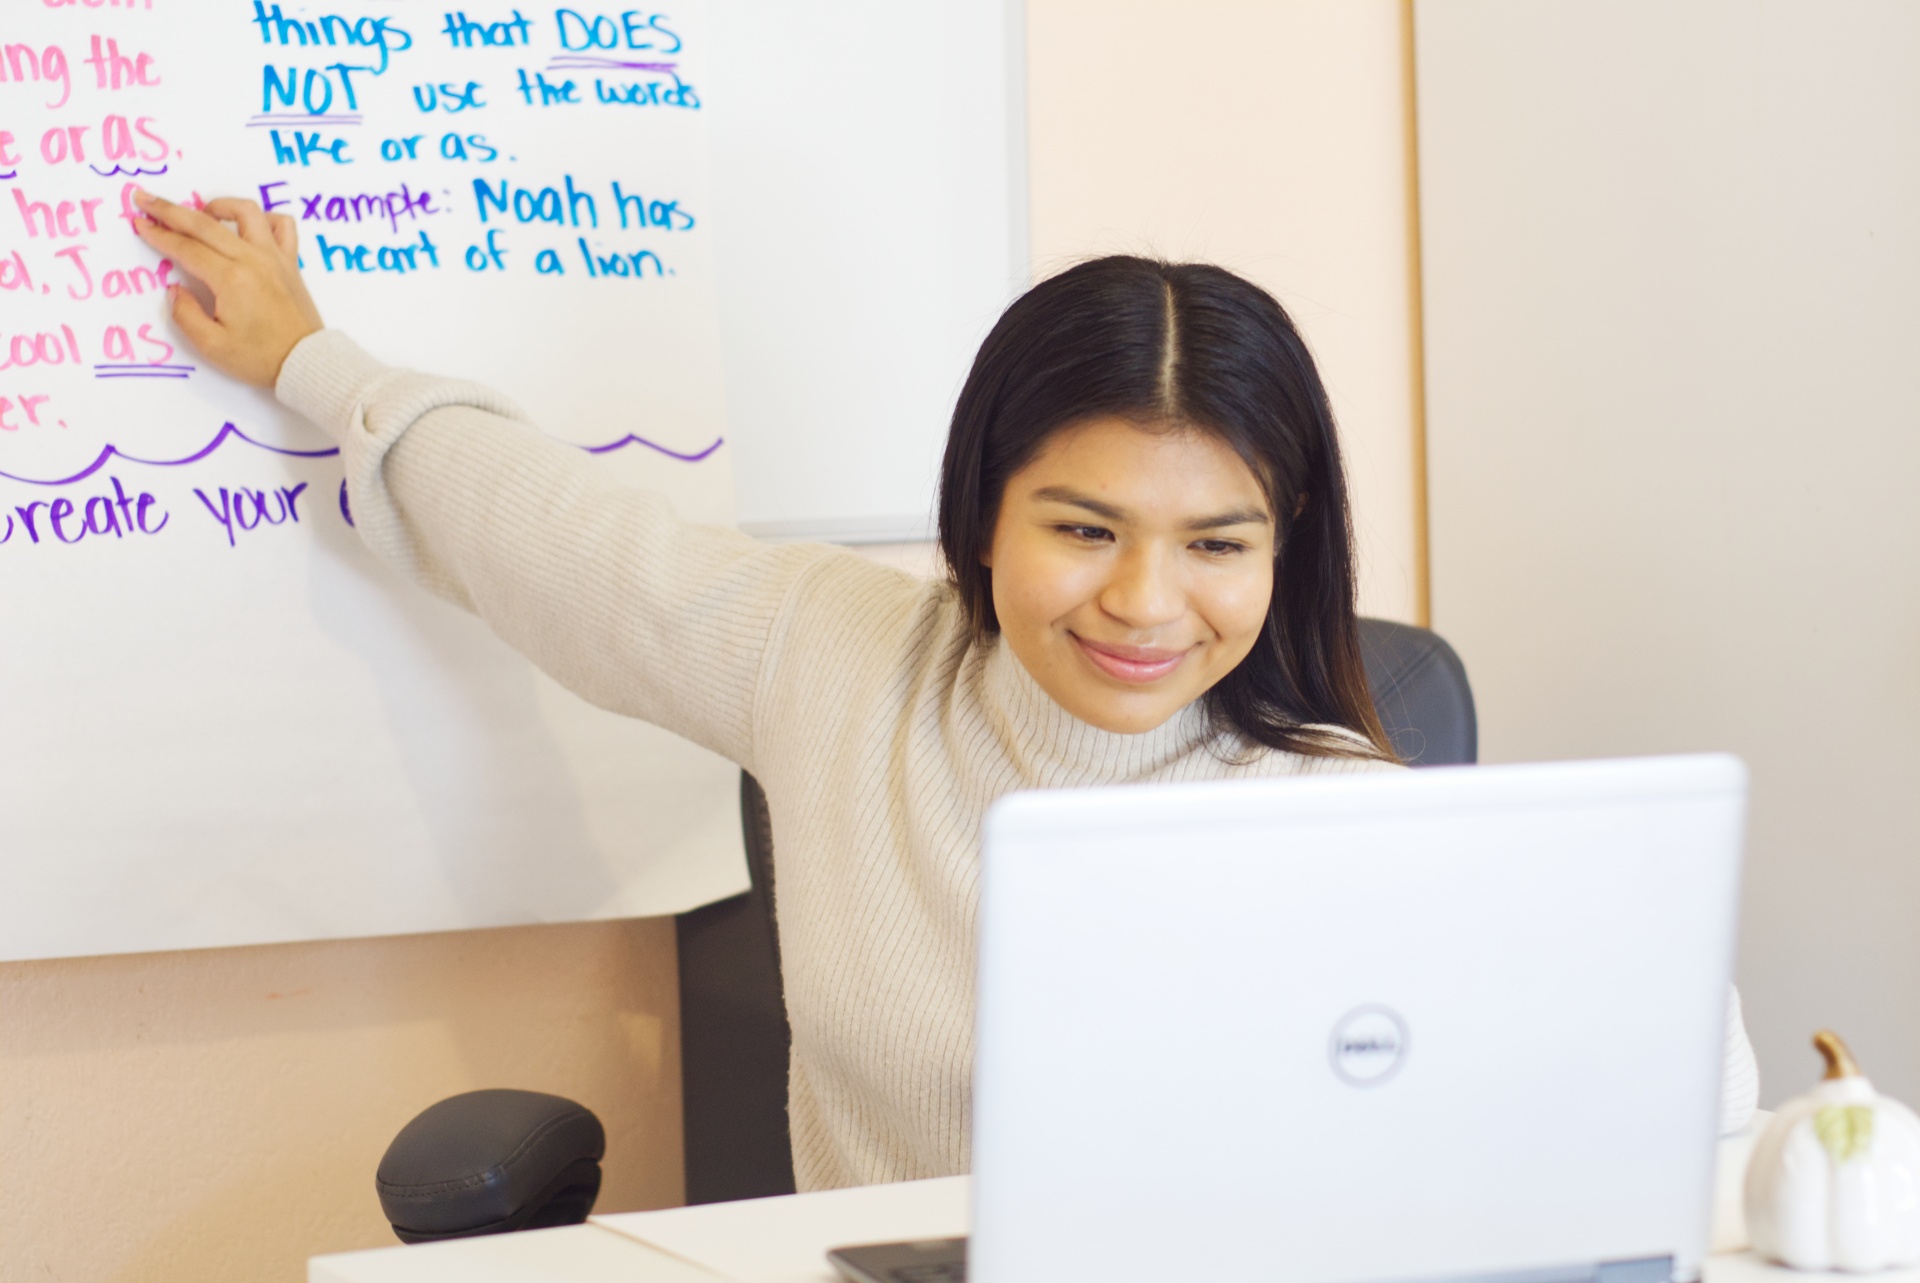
x,y
599,584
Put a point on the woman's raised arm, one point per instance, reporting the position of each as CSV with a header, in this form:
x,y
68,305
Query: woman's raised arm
x,y
601,585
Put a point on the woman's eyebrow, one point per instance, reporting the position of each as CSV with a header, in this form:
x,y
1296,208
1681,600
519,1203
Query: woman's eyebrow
x,y
1067,494
1238,517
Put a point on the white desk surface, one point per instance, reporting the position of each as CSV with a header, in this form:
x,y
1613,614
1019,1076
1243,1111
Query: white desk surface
x,y
764,1240
769,1240
576,1254
785,1240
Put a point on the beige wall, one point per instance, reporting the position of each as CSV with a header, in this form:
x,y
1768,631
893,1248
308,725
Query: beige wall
x,y
1269,137
216,1117
1673,252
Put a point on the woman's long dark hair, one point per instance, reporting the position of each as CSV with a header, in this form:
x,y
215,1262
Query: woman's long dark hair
x,y
1181,346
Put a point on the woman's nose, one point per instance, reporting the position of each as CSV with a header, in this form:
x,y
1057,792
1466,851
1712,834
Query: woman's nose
x,y
1145,590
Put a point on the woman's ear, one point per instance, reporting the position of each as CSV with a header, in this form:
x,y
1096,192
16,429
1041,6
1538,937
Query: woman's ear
x,y
1299,506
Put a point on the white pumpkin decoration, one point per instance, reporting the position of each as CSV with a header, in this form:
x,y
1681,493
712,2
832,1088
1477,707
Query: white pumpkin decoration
x,y
1834,1183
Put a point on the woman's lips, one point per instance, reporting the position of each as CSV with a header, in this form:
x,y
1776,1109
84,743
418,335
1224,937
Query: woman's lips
x,y
1139,664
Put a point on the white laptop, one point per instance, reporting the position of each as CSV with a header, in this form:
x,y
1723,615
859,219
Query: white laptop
x,y
1444,1024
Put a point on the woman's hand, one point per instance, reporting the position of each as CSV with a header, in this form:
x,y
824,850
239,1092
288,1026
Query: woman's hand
x,y
261,308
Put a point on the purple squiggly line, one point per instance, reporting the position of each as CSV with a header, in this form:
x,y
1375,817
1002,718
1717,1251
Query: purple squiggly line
x,y
228,431
111,452
135,172
631,439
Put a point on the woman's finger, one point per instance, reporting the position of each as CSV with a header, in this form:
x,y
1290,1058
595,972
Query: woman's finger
x,y
247,215
187,252
210,232
286,235
194,322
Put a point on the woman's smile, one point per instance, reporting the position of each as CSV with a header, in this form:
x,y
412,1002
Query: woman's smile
x,y
1134,664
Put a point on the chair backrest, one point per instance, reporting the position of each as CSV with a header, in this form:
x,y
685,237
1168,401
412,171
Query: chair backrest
x,y
734,1037
1421,693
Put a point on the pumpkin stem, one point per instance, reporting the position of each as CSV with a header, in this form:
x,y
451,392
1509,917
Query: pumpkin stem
x,y
1840,1061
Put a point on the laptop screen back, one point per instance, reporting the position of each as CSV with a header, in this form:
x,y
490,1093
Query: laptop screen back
x,y
1401,1025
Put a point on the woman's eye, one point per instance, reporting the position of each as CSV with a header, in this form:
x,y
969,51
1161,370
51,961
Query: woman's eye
x,y
1090,534
1220,547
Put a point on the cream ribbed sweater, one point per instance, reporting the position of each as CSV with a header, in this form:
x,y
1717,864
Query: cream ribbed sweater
x,y
879,727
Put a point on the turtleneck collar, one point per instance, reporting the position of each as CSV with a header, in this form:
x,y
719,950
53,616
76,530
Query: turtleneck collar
x,y
1055,748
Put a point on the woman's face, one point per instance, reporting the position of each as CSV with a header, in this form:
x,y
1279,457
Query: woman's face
x,y
1131,569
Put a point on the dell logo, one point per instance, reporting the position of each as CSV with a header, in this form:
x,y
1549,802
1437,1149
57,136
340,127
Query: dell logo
x,y
1369,1045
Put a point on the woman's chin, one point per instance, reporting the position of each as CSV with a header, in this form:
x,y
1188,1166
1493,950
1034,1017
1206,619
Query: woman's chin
x,y
1133,712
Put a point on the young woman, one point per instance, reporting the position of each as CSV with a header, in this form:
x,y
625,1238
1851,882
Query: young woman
x,y
1144,520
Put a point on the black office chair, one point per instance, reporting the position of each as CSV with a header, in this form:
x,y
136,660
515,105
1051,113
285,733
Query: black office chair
x,y
491,1161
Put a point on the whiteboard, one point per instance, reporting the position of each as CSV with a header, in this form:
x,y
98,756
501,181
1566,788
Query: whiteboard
x,y
242,728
